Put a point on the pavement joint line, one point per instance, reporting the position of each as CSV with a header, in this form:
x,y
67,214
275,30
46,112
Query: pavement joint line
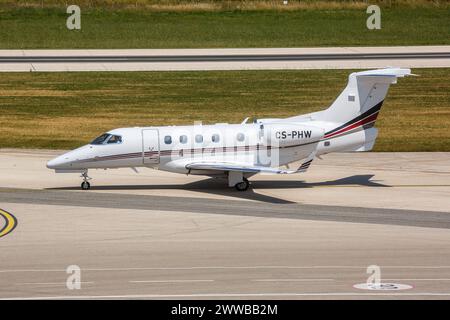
x,y
230,295
221,267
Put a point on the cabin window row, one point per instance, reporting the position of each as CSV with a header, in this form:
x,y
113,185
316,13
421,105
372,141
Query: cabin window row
x,y
199,138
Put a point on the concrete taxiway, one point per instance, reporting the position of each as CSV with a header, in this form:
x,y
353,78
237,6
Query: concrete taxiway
x,y
223,59
160,235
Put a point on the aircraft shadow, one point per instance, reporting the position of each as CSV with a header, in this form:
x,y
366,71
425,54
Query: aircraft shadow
x,y
360,180
218,187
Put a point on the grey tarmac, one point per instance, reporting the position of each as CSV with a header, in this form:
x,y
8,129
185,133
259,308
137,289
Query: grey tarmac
x,y
158,235
283,209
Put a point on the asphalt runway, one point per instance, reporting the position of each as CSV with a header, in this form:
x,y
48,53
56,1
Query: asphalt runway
x,y
157,235
223,59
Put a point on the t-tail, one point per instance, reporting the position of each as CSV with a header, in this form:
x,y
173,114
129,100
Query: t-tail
x,y
351,118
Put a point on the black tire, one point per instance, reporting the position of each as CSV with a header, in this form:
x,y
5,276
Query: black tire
x,y
85,185
242,186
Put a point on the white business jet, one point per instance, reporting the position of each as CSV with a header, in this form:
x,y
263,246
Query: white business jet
x,y
239,151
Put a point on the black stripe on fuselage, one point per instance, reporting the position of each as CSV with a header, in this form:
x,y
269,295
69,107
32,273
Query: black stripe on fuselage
x,y
369,112
191,151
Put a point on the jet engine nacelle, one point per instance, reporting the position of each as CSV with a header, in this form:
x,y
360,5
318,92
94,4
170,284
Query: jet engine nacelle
x,y
290,134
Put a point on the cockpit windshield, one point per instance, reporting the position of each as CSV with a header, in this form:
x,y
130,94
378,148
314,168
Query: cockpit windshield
x,y
107,138
101,139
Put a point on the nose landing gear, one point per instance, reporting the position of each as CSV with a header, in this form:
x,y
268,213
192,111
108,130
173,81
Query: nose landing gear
x,y
85,185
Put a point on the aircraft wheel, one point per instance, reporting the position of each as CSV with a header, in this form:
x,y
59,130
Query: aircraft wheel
x,y
242,186
85,185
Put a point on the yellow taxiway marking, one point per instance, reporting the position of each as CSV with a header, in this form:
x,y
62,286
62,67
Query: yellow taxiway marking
x,y
10,223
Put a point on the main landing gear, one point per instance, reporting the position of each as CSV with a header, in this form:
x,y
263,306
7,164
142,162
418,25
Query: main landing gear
x,y
242,186
236,179
85,185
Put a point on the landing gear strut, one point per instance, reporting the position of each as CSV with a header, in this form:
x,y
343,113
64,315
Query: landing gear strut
x,y
236,179
242,186
85,185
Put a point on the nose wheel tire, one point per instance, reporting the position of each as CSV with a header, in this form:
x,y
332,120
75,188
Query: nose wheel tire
x,y
242,186
85,185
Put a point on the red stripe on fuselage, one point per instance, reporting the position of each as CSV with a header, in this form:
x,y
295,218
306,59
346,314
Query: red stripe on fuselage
x,y
361,122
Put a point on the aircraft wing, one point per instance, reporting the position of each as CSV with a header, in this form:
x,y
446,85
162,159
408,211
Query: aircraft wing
x,y
240,167
232,166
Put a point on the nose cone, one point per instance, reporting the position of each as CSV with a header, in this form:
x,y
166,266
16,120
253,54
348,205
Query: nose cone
x,y
69,160
57,163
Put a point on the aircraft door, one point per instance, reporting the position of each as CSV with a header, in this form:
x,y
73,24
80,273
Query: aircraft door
x,y
150,146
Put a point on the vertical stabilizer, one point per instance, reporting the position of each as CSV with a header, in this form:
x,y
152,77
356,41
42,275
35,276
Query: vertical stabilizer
x,y
363,95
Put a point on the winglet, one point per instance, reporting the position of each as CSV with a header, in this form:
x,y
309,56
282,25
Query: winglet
x,y
386,72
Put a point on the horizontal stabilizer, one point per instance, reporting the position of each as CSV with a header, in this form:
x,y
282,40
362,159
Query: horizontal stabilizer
x,y
305,165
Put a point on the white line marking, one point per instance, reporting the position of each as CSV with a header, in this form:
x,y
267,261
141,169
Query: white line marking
x,y
244,295
169,281
412,279
290,280
47,283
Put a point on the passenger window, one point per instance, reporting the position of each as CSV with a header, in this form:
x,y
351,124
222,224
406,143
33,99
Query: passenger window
x,y
115,139
183,139
215,138
240,137
168,140
199,138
